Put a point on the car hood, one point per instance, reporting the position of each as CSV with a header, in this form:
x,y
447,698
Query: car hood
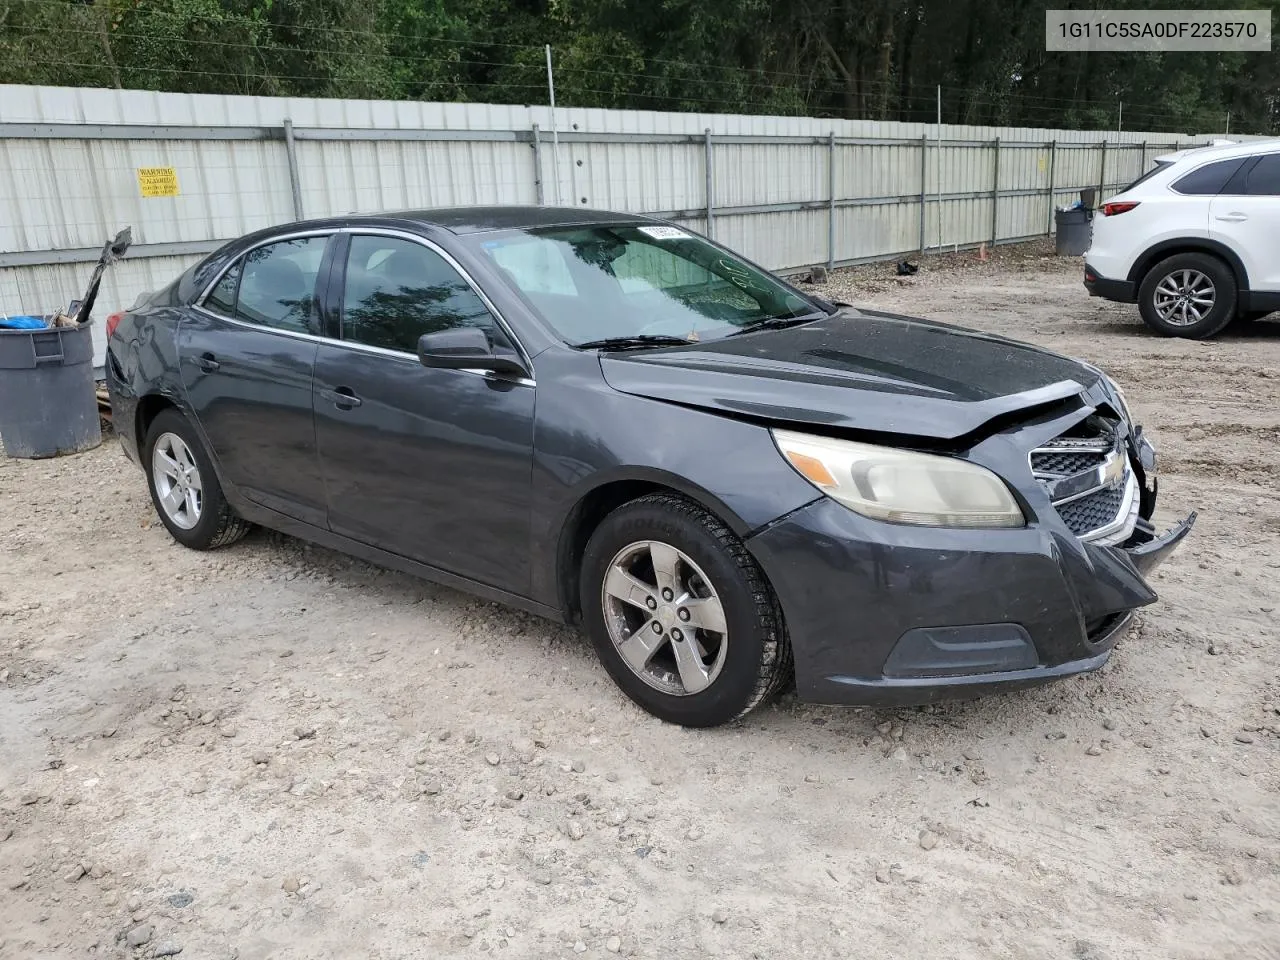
x,y
857,370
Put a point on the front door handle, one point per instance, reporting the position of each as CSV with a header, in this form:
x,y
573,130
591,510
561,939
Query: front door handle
x,y
1233,217
344,398
207,363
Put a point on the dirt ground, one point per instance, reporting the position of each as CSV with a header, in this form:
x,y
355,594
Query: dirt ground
x,y
275,751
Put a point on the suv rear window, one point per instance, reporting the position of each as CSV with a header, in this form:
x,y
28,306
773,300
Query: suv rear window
x,y
1160,165
1209,179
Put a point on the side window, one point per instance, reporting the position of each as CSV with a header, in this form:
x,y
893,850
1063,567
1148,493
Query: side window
x,y
397,290
1264,179
222,298
278,285
1209,179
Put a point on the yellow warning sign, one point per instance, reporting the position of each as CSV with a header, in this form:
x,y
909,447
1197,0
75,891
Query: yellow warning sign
x,y
158,181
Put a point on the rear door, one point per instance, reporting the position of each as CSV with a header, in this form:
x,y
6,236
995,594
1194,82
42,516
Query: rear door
x,y
431,464
247,354
1246,217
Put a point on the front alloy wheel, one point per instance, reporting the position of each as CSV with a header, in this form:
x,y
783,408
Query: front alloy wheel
x,y
665,619
680,613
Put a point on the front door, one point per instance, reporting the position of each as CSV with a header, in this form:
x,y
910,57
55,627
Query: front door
x,y
434,465
248,355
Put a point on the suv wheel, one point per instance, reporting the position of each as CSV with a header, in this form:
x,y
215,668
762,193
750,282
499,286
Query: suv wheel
x,y
1189,295
184,488
681,615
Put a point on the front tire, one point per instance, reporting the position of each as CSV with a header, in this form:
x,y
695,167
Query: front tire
x,y
1191,295
184,488
681,615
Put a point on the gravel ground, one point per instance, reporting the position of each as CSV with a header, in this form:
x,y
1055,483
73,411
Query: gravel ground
x,y
275,751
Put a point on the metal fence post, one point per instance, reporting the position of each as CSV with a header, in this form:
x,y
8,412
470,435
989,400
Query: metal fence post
x,y
995,195
1102,172
1053,159
710,187
924,177
1142,167
831,200
295,181
537,166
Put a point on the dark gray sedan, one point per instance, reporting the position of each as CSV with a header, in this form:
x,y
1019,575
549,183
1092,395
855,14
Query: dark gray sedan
x,y
605,418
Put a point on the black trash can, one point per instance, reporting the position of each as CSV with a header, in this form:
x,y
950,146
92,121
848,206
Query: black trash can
x,y
48,398
1075,230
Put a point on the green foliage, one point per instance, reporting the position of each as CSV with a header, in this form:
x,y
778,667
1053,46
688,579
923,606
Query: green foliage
x,y
840,58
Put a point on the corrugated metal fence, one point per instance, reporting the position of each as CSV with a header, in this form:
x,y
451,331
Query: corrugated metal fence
x,y
787,192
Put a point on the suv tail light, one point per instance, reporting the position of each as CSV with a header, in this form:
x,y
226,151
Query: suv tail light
x,y
113,321
1115,209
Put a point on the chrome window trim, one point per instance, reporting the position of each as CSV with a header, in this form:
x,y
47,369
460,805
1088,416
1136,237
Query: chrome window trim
x,y
359,347
198,302
262,328
280,238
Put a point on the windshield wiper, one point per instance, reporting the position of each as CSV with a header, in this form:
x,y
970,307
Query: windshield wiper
x,y
777,323
634,341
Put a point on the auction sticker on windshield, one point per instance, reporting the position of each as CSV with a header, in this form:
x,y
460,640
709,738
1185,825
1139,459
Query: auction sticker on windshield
x,y
664,233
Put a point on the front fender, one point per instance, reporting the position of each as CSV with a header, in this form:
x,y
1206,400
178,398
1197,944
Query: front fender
x,y
587,436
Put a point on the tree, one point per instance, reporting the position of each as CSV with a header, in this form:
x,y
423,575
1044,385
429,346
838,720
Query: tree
x,y
883,59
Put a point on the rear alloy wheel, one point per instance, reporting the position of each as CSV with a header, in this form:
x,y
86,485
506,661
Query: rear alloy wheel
x,y
680,614
1190,295
177,480
184,487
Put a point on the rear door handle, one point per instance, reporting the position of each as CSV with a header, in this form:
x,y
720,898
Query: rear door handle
x,y
1233,218
207,363
344,398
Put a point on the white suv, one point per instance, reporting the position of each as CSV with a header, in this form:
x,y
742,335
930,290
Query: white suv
x,y
1195,241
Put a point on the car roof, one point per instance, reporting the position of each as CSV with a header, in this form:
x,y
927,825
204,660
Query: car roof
x,y
1223,149
457,220
463,220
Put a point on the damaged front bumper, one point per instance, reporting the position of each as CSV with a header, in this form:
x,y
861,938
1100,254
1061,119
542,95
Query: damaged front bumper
x,y
881,613
936,614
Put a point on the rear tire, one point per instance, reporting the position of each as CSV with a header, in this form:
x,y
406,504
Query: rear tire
x,y
726,640
184,487
1190,295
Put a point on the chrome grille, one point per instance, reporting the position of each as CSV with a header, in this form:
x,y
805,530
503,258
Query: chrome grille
x,y
1087,475
1064,463
1092,511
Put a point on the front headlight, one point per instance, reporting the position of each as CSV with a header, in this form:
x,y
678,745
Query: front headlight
x,y
900,486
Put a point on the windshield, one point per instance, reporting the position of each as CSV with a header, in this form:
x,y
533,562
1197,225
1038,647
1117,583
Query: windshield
x,y
624,280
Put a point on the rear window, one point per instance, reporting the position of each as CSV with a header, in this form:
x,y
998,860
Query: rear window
x,y
1160,165
1210,179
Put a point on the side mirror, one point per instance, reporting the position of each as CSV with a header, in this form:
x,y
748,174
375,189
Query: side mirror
x,y
465,348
